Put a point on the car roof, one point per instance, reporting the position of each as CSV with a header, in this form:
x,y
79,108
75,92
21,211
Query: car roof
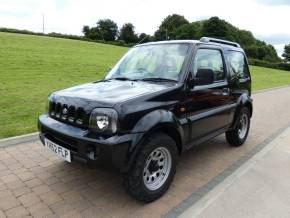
x,y
204,41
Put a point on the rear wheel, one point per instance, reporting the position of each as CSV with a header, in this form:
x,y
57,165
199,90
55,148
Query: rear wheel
x,y
153,169
239,134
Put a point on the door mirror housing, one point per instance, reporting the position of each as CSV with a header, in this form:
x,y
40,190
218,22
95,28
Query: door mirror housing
x,y
204,77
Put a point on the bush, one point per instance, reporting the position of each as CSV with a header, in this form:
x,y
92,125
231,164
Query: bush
x,y
10,30
278,65
60,35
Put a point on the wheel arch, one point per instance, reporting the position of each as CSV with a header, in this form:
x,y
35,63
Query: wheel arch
x,y
244,101
157,121
249,105
171,131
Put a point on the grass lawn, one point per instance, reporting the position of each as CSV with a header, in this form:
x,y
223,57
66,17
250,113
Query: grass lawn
x,y
264,78
32,66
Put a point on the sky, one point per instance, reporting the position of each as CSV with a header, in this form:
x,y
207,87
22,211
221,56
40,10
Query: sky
x,y
268,20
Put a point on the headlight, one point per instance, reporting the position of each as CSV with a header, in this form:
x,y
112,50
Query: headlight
x,y
104,120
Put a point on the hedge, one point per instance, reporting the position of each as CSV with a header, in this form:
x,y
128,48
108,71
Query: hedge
x,y
279,65
60,35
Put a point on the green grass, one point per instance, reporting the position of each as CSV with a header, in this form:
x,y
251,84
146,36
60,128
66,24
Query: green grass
x,y
264,78
32,66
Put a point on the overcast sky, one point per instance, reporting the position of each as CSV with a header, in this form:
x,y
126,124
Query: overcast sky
x,y
267,19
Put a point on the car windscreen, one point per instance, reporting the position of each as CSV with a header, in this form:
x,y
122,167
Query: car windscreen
x,y
151,61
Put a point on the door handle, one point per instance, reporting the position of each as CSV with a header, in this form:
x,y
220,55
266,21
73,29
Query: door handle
x,y
222,92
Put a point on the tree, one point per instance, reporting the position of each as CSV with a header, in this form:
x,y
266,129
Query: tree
x,y
92,33
252,51
86,31
143,38
189,31
96,34
245,38
177,27
127,33
271,54
215,27
107,29
168,26
286,54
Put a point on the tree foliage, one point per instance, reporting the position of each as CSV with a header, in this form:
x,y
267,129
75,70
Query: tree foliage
x,y
143,38
214,27
286,54
127,33
177,27
189,31
168,26
106,30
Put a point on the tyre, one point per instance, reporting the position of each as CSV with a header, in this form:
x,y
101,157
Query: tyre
x,y
153,168
239,134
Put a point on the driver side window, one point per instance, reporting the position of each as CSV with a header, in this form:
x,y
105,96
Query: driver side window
x,y
210,59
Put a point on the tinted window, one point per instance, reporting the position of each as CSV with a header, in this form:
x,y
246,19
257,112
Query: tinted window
x,y
210,59
238,65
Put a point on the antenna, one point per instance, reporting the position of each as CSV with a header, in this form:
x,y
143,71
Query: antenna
x,y
142,39
166,29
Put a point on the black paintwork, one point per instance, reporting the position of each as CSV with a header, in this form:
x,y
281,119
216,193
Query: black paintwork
x,y
189,113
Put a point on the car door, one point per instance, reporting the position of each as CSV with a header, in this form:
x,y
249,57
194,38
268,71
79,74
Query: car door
x,y
209,107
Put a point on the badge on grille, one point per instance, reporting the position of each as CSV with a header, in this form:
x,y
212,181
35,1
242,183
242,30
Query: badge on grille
x,y
64,111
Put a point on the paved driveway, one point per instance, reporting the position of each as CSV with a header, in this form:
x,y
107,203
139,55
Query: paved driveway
x,y
34,182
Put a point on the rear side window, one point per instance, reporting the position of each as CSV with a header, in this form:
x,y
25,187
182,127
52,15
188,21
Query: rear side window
x,y
210,59
238,65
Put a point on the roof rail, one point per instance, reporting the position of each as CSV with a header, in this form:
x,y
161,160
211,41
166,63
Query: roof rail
x,y
220,41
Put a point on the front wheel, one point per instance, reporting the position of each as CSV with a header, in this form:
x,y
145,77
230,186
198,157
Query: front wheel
x,y
239,134
153,169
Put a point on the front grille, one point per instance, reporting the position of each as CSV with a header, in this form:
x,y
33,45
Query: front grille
x,y
68,114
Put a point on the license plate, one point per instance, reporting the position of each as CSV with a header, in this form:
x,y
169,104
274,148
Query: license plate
x,y
58,150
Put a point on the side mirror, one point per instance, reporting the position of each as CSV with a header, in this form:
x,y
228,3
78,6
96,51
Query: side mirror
x,y
204,77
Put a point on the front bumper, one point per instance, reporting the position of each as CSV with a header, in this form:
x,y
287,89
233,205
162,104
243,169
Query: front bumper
x,y
86,146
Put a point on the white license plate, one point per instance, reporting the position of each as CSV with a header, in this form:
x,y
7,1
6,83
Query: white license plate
x,y
59,150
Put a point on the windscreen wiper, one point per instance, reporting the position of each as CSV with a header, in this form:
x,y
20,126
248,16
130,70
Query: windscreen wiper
x,y
158,79
120,78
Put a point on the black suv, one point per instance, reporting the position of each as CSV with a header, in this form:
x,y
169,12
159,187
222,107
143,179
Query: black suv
x,y
158,101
